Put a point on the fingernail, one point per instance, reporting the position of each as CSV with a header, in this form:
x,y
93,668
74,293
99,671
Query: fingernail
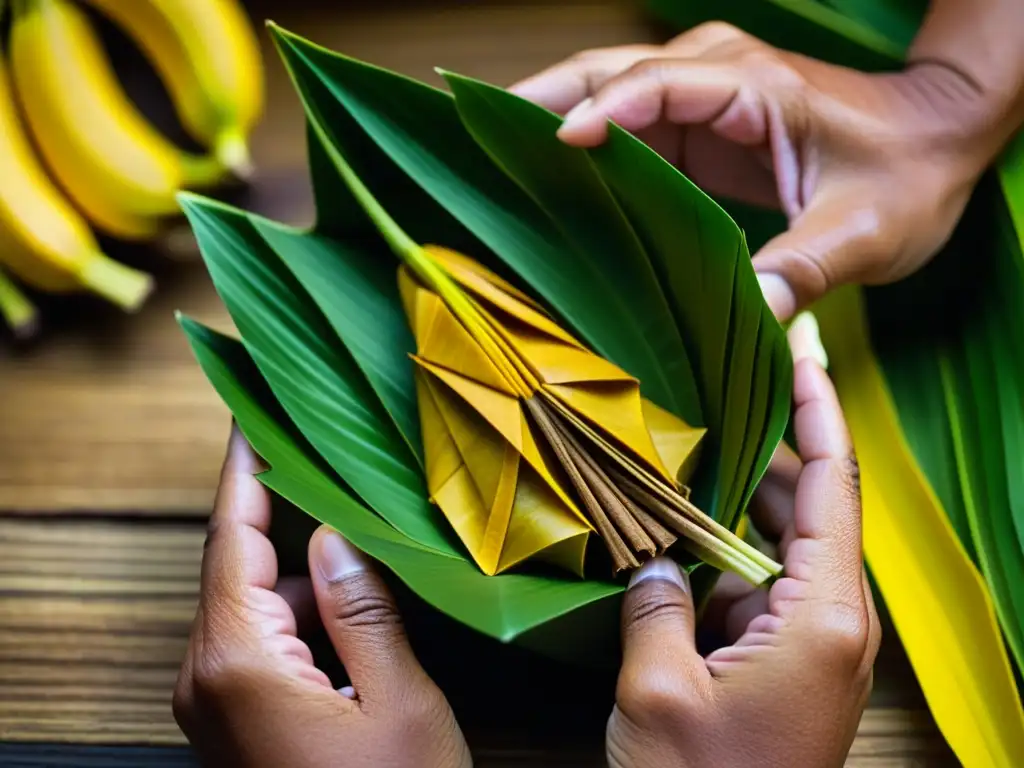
x,y
805,339
578,114
348,692
661,569
777,294
241,456
336,558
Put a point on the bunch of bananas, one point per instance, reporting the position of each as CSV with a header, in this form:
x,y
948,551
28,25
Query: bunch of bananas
x,y
76,153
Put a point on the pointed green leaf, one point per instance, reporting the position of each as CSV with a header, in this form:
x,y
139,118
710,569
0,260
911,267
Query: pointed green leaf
x,y
520,137
296,468
312,374
501,606
356,289
705,270
419,129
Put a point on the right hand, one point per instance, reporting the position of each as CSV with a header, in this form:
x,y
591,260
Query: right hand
x,y
791,688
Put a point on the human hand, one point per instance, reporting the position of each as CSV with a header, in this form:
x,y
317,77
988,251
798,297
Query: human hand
x,y
873,171
248,693
791,688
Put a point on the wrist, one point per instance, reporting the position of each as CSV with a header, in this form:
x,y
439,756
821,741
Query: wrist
x,y
966,59
970,122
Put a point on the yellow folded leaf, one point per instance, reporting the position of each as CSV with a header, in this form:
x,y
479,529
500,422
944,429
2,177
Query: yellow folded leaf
x,y
533,442
938,600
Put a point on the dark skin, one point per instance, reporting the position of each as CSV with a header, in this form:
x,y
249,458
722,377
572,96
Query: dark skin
x,y
872,171
790,685
250,695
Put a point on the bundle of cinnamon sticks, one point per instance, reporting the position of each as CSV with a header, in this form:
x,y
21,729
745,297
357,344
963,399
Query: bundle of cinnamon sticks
x,y
637,514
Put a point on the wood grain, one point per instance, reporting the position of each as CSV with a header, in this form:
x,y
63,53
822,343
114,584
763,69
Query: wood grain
x,y
94,617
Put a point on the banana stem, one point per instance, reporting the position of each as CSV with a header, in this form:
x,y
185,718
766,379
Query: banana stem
x,y
201,172
20,313
116,282
232,152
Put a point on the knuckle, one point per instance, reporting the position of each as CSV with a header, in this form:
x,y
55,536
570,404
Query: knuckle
x,y
213,530
360,602
765,64
806,272
649,69
850,480
425,710
181,702
718,30
820,262
655,700
872,234
655,603
218,677
588,55
844,635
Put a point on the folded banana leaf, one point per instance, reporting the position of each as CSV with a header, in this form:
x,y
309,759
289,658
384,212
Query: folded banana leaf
x,y
941,355
508,369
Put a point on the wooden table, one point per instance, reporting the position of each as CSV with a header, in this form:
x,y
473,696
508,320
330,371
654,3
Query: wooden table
x,y
111,440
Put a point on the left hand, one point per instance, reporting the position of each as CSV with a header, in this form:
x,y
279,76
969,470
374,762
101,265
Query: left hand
x,y
249,694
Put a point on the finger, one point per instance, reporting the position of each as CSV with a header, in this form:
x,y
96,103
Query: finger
x,y
771,510
297,592
703,38
682,91
563,86
732,605
238,553
660,657
744,99
362,620
824,561
832,243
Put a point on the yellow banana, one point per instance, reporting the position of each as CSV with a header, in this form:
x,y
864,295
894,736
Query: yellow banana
x,y
113,164
43,239
208,56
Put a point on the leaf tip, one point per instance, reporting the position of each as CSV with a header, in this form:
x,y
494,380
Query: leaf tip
x,y
188,201
186,322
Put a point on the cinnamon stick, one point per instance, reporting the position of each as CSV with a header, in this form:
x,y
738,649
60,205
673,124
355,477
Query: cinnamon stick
x,y
661,535
671,517
622,557
610,497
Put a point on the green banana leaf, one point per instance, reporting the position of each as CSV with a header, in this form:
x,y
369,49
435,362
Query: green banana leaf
x,y
499,606
320,380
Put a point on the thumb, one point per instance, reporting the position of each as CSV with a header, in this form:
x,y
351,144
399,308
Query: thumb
x,y
828,245
361,619
659,650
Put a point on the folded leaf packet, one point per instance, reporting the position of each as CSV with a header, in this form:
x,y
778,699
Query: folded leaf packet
x,y
509,369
